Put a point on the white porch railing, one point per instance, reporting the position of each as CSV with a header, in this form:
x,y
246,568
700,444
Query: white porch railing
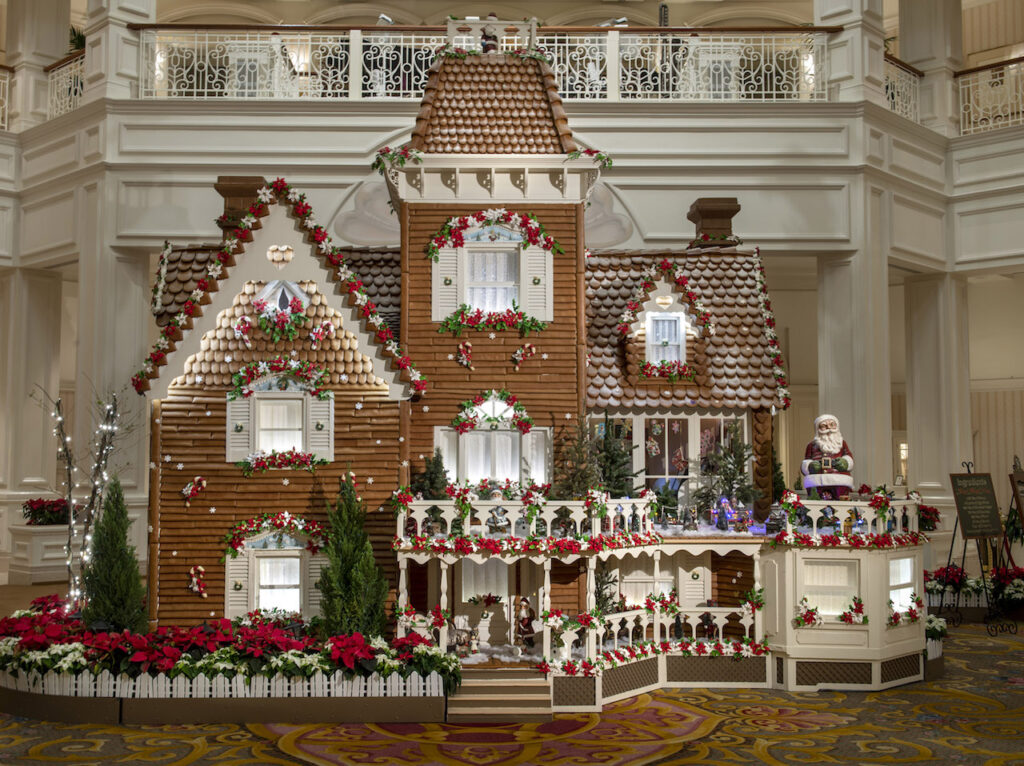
x,y
5,95
391,63
859,517
508,518
991,97
902,88
65,84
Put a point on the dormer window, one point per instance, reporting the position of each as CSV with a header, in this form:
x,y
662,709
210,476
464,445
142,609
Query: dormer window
x,y
666,337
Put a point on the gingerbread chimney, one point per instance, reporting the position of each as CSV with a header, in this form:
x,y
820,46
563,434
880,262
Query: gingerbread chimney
x,y
713,216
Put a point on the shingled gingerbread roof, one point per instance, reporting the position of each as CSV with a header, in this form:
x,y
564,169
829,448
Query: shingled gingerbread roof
x,y
492,103
734,365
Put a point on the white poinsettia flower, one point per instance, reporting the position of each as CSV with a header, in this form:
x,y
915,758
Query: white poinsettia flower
x,y
293,195
264,194
311,223
494,213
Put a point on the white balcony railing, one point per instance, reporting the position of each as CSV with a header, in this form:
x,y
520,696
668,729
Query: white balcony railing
x,y
991,97
902,88
502,519
391,63
858,517
65,84
5,96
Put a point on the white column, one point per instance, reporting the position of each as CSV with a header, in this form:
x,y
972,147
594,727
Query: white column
x,y
546,601
403,582
931,39
442,634
111,49
856,55
853,343
938,386
30,313
37,35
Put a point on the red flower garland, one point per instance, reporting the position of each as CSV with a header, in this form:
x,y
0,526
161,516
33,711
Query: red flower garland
x,y
313,531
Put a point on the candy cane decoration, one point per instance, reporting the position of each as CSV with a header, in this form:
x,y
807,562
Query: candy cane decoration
x,y
465,355
192,489
197,580
243,329
523,353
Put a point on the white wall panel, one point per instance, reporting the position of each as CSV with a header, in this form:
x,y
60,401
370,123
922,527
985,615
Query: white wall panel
x,y
47,224
159,210
918,229
52,157
990,231
916,162
997,420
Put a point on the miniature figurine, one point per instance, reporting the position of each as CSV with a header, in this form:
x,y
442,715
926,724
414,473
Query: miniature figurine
x,y
690,519
776,521
827,461
722,515
489,36
524,622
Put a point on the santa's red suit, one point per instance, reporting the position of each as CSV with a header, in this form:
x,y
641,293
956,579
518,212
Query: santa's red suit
x,y
830,476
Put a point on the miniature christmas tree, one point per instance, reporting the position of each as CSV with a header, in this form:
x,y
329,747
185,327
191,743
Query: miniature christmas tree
x,y
576,462
115,598
728,473
431,484
615,462
352,586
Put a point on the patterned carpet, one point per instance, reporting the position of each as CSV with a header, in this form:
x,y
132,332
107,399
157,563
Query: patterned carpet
x,y
975,715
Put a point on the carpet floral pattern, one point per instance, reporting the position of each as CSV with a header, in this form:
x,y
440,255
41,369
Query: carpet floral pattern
x,y
974,715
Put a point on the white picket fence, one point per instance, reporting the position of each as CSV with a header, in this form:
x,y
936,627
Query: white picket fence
x,y
105,684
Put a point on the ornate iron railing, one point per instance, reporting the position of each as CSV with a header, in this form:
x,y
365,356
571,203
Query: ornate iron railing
x,y
65,84
902,88
392,63
5,96
991,97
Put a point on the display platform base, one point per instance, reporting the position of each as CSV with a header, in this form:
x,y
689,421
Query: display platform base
x,y
934,669
48,707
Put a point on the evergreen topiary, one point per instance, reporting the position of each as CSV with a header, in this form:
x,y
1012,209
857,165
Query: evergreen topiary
x,y
431,484
352,587
727,473
115,598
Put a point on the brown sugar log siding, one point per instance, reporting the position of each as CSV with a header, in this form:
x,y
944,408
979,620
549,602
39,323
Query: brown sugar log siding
x,y
194,536
761,431
548,388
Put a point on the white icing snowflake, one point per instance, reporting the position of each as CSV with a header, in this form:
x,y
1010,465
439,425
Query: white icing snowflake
x,y
344,377
451,357
180,466
199,378
294,352
213,509
426,408
285,482
421,457
156,420
491,335
378,441
174,553
167,458
543,356
369,480
229,359
359,405
405,463
401,439
568,416
152,465
208,413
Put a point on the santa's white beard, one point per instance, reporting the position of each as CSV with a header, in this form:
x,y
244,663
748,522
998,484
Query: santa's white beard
x,y
830,443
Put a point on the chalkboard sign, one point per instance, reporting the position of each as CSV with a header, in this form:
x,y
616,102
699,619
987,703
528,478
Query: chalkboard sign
x,y
976,505
1017,482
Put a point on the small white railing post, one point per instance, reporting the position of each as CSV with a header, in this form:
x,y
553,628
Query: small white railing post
x,y
355,64
613,65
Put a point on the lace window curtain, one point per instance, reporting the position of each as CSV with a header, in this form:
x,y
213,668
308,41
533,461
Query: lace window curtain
x,y
280,425
481,579
280,583
492,279
666,334
491,455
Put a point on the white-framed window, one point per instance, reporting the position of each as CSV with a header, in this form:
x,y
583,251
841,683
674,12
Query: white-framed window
x,y
666,337
274,570
829,585
901,582
479,579
636,579
498,454
279,415
491,271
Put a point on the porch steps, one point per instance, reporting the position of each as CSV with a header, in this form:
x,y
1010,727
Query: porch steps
x,y
501,695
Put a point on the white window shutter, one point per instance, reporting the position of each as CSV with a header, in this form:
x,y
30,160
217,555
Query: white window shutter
x,y
536,455
315,565
447,440
320,428
236,570
444,285
239,438
536,284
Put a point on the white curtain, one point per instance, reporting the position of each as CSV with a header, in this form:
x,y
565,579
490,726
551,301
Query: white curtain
x,y
490,454
492,279
280,425
481,579
476,448
830,585
535,455
280,583
665,339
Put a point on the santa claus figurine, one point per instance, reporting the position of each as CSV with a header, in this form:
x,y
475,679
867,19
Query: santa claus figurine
x,y
827,461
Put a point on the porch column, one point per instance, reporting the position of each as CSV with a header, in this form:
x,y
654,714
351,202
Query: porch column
x,y
111,49
931,39
854,380
938,394
403,582
37,35
658,617
591,602
856,55
442,638
546,600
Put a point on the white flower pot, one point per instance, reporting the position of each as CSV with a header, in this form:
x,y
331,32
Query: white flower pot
x,y
37,554
934,648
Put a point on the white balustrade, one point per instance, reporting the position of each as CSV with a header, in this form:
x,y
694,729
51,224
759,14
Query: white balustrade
x,y
508,518
863,519
902,89
992,98
65,85
377,63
